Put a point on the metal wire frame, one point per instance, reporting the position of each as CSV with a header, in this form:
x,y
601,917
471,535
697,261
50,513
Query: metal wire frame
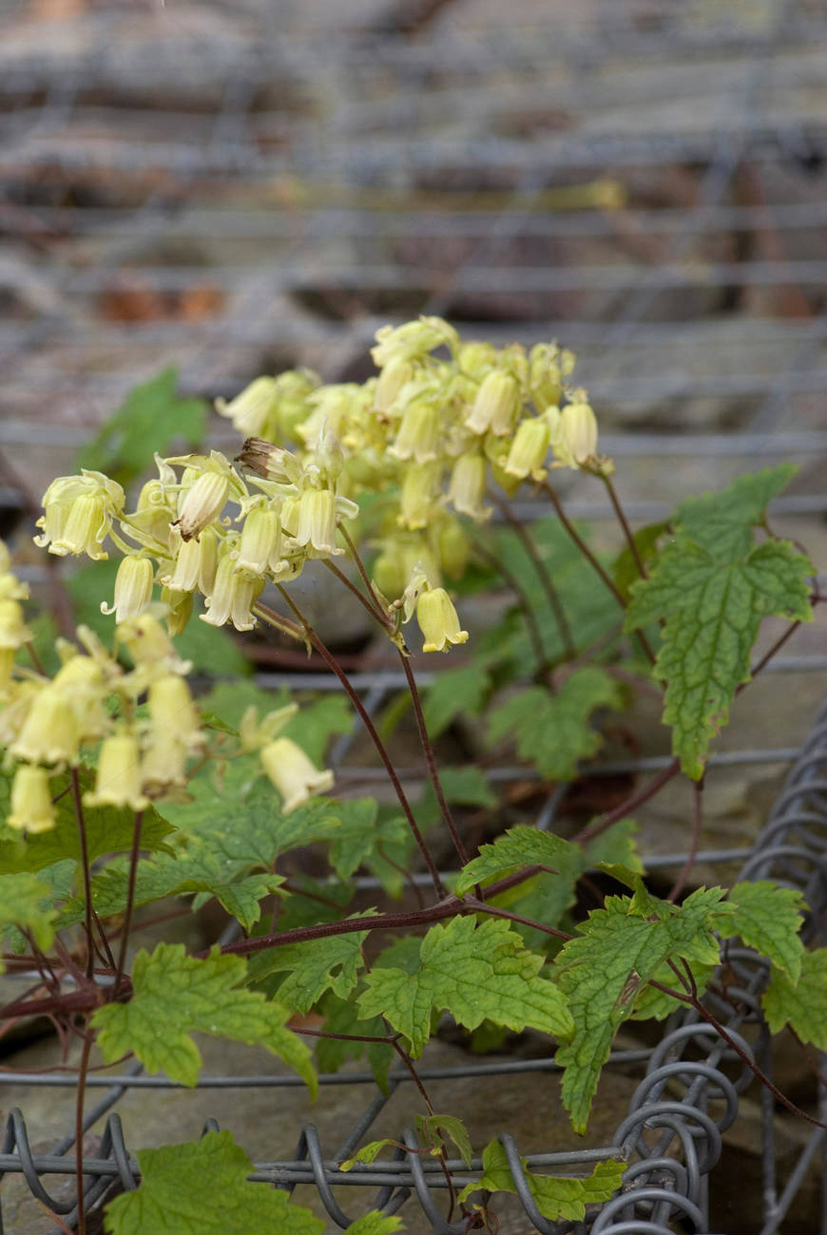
x,y
667,1175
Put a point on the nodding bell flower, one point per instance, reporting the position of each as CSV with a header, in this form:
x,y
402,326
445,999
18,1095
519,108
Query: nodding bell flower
x,y
390,382
178,610
496,405
317,521
438,621
78,513
118,781
253,412
149,525
202,503
164,767
476,359
13,630
292,773
467,487
255,733
259,549
85,682
172,713
49,733
133,588
418,436
575,439
149,645
548,366
31,800
232,597
528,450
412,341
420,494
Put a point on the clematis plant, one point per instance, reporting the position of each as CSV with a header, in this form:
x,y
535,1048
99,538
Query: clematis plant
x,y
126,787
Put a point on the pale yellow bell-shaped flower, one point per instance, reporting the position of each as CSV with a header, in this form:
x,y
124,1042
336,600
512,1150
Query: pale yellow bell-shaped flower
x,y
31,800
232,597
575,439
253,411
84,682
149,645
259,549
14,632
496,405
438,621
292,773
418,436
317,521
391,381
419,501
78,513
50,731
467,487
528,450
412,340
133,588
172,712
182,575
118,780
178,610
163,767
202,503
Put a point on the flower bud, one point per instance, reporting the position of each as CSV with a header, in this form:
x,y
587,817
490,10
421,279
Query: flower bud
x,y
496,405
438,621
31,800
528,450
172,713
202,503
545,378
467,487
389,573
118,781
253,411
453,548
292,773
575,442
49,733
179,610
133,588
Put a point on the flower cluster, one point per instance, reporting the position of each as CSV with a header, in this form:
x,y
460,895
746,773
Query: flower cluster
x,y
88,712
441,423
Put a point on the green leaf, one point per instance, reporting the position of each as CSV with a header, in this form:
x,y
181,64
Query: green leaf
x,y
175,995
201,1188
559,1199
802,1005
625,570
713,610
453,693
552,730
434,1129
150,418
602,970
767,918
520,846
368,1153
109,829
313,967
722,522
26,901
474,972
376,1223
652,1004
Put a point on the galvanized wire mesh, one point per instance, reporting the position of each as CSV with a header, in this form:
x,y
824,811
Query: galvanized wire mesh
x,y
264,187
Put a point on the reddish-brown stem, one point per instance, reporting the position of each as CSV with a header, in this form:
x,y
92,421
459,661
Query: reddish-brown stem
x,y
343,1037
130,898
697,819
622,520
87,878
81,1087
428,751
767,657
540,569
382,618
360,566
592,560
482,907
332,663
590,833
408,1062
